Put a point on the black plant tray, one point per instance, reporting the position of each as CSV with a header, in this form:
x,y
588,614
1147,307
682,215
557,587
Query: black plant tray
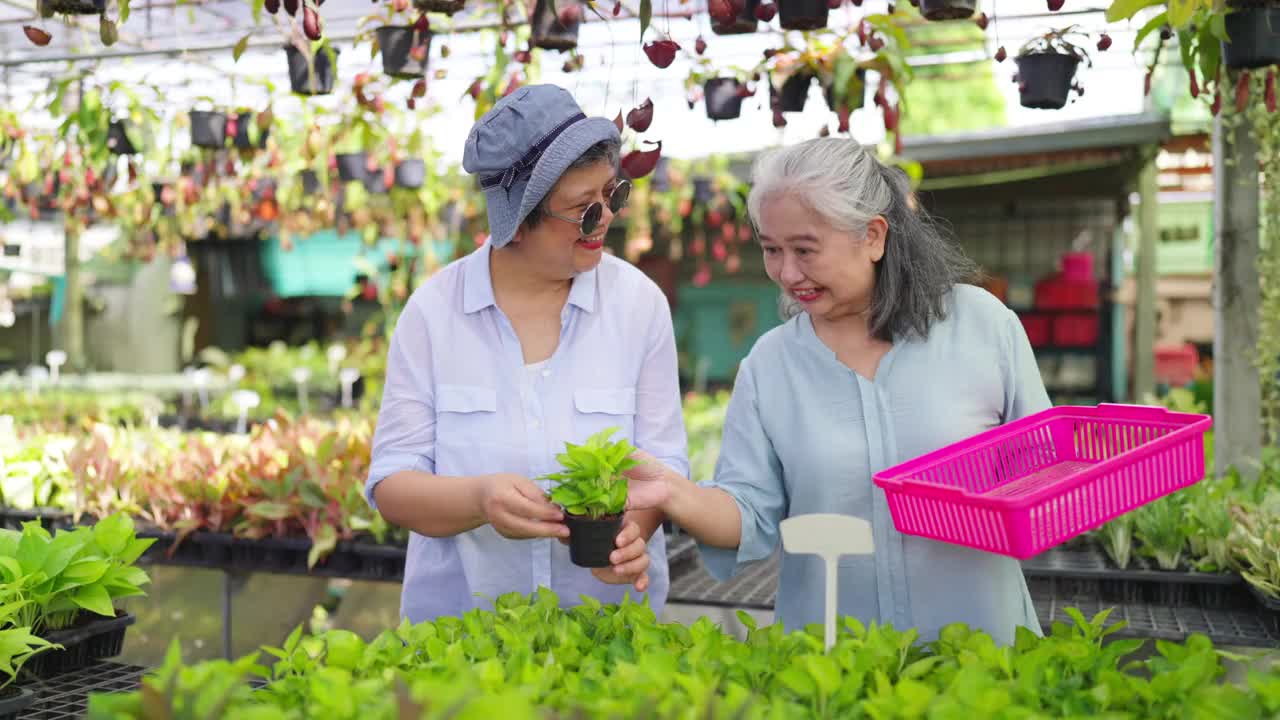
x,y
197,424
66,697
1088,573
50,519
82,645
13,706
356,560
1268,608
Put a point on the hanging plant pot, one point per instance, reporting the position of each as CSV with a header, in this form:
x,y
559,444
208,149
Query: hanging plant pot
x,y
242,138
398,43
550,31
746,22
411,173
1255,37
724,101
592,540
448,7
802,14
301,79
703,191
351,166
310,182
75,7
938,10
118,138
208,128
855,94
1045,79
794,92
376,182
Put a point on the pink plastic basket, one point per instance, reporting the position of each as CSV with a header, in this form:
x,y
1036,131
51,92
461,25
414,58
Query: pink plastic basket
x,y
1027,486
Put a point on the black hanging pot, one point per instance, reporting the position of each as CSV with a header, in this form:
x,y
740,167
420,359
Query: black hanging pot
x,y
310,182
351,166
411,173
74,7
397,43
724,101
448,7
802,14
745,22
242,139
325,64
1044,79
1255,37
376,182
703,191
118,138
550,31
794,92
937,10
853,99
592,540
208,128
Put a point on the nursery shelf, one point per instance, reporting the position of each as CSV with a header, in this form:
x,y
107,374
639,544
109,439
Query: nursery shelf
x,y
67,696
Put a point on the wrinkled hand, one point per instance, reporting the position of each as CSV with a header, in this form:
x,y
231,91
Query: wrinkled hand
x,y
518,509
630,560
647,482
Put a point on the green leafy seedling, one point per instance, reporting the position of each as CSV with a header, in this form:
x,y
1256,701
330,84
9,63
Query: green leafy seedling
x,y
591,481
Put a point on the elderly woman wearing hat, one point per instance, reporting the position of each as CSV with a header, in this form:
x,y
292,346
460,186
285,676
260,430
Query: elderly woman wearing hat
x,y
534,339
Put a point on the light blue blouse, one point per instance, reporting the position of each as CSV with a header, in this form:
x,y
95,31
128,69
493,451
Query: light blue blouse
x,y
804,434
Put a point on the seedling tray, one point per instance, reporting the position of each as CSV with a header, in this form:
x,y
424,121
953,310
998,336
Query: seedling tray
x,y
14,702
94,640
1088,573
1022,488
50,518
67,696
1269,607
1244,628
357,560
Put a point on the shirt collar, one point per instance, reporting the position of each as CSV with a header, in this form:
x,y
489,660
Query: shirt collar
x,y
477,291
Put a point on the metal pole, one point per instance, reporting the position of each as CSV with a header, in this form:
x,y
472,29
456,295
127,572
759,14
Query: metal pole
x,y
1144,383
226,614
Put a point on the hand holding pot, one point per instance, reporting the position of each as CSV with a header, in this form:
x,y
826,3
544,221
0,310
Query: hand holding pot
x,y
630,560
518,509
647,482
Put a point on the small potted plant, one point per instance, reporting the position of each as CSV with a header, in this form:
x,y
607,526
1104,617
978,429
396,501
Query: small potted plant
x,y
938,10
741,22
208,128
248,130
1253,32
404,48
554,25
802,14
448,7
1047,68
592,490
312,72
49,8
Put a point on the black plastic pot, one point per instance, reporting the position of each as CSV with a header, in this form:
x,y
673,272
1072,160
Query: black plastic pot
x,y
325,66
241,139
376,182
854,101
722,97
49,518
794,92
746,21
948,9
703,192
85,643
396,42
118,139
546,30
1269,608
411,173
1045,79
592,541
310,182
14,701
802,14
448,7
1255,37
351,166
75,7
208,128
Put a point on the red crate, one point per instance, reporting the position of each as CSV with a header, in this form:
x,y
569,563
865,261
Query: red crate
x,y
1038,327
1176,364
1075,329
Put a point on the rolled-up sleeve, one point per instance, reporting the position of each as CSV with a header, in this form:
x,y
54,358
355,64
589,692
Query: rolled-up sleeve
x,y
405,437
659,426
749,471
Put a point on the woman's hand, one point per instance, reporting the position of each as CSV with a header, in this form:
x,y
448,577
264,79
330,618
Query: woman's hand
x,y
630,560
518,509
647,482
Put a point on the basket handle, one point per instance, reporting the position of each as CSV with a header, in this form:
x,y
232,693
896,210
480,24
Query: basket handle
x,y
934,488
1151,412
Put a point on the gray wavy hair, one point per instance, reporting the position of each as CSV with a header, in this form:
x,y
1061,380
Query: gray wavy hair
x,y
846,186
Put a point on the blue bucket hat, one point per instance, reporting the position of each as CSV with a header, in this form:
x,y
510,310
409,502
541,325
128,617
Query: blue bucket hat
x,y
522,146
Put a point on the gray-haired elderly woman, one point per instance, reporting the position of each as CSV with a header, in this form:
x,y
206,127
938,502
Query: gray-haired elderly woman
x,y
887,356
535,339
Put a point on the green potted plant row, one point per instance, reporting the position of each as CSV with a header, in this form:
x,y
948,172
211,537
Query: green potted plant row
x,y
592,489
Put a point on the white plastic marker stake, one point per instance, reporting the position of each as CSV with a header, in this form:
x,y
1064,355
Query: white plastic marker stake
x,y
245,400
38,375
300,377
235,374
336,353
55,359
348,376
828,536
188,373
200,378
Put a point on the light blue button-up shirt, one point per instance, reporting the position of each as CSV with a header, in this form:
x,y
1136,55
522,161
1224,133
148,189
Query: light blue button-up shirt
x,y
804,434
460,401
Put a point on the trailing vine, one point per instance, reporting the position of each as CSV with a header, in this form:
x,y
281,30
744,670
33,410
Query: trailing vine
x,y
1266,131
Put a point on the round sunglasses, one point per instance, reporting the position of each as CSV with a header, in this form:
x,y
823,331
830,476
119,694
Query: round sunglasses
x,y
591,217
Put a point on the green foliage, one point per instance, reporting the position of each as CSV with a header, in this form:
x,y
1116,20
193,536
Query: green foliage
x,y
530,659
17,644
591,482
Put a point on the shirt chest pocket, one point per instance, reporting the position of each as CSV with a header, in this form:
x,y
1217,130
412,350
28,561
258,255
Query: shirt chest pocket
x,y
597,409
467,415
